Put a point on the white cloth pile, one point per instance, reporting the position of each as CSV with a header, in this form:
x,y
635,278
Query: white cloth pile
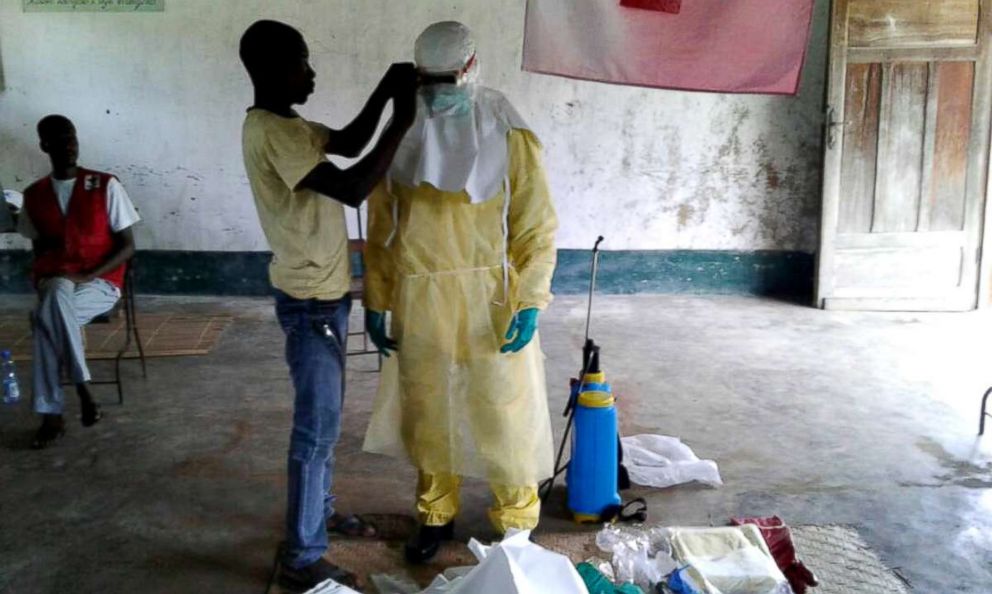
x,y
660,461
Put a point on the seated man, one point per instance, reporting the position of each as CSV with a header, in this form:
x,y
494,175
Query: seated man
x,y
461,251
79,222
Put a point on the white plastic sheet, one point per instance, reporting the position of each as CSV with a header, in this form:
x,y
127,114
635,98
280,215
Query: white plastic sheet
x,y
514,566
661,461
331,587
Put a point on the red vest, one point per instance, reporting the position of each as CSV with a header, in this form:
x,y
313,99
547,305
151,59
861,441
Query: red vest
x,y
79,241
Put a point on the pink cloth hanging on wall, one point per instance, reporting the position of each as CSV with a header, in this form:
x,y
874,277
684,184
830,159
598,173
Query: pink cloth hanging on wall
x,y
672,6
731,46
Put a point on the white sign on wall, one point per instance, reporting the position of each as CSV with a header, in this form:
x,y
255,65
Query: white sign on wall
x,y
94,5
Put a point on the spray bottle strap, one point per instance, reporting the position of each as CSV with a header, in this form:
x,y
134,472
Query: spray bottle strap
x,y
619,513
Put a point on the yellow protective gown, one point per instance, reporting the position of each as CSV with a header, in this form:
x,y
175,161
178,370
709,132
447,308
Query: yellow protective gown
x,y
448,399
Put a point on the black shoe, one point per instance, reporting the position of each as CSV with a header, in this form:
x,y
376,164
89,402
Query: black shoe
x,y
309,577
426,542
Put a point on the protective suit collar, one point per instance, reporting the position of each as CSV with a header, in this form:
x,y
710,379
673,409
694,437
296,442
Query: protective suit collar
x,y
459,151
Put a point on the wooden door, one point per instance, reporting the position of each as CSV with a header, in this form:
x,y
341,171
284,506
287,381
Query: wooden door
x,y
908,107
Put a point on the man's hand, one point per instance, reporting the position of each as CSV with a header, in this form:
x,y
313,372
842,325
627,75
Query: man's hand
x,y
401,79
375,325
401,84
521,331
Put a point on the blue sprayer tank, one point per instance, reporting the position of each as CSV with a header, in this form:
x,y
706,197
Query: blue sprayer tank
x,y
592,472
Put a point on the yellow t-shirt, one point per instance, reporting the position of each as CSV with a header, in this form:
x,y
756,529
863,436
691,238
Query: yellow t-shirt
x,y
306,230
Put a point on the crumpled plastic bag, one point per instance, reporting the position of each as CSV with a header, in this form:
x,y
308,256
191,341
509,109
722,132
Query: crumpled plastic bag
x,y
331,587
513,566
660,461
640,556
730,560
392,584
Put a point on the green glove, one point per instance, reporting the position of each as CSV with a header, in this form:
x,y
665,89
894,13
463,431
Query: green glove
x,y
521,331
375,326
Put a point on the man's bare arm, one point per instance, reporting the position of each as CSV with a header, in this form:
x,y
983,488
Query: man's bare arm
x,y
351,140
351,186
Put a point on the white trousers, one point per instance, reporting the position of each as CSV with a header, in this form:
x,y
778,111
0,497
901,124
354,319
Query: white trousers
x,y
64,308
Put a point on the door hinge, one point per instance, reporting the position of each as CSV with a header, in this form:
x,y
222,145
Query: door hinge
x,y
832,125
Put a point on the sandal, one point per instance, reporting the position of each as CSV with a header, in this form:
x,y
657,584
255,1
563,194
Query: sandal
x,y
351,526
91,415
46,436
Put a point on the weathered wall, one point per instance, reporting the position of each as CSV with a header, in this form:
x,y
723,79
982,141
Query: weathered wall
x,y
159,98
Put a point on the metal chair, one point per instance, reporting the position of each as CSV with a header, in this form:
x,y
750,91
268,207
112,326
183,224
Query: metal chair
x,y
356,249
127,304
981,419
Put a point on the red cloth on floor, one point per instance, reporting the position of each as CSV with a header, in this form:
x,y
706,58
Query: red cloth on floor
x,y
738,46
778,537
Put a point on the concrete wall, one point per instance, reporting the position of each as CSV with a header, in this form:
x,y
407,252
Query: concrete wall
x,y
158,98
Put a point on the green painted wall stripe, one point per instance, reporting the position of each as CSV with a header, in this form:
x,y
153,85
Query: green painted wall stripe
x,y
689,271
701,272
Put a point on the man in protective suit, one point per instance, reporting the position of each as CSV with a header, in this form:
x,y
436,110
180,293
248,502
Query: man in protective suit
x,y
461,252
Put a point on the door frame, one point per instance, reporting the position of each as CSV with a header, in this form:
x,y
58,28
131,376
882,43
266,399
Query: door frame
x,y
833,140
985,250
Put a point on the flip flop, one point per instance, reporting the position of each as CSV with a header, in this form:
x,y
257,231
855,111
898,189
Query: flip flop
x,y
351,526
91,416
46,437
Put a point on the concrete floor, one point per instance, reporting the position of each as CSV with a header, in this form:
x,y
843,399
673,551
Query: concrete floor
x,y
819,417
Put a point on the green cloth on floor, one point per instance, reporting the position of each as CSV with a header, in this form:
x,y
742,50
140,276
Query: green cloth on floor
x,y
597,583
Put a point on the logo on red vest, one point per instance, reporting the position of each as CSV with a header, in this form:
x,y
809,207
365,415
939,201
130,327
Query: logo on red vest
x,y
91,182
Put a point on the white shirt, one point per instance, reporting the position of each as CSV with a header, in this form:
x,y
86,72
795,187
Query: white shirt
x,y
120,209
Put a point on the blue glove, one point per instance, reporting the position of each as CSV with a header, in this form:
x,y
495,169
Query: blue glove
x,y
375,325
521,331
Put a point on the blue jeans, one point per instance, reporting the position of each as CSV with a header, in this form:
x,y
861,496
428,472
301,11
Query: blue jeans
x,y
316,346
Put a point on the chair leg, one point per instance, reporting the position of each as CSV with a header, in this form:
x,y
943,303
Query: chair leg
x,y
117,377
981,420
117,368
137,336
124,349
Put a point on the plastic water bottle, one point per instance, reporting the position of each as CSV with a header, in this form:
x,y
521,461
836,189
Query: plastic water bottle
x,y
11,389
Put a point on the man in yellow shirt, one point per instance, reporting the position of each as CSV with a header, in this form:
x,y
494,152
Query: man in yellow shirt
x,y
299,196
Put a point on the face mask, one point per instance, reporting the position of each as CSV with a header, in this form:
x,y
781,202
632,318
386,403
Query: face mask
x,y
448,100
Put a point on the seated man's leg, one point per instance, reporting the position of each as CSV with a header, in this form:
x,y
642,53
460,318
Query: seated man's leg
x,y
50,344
63,308
89,300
